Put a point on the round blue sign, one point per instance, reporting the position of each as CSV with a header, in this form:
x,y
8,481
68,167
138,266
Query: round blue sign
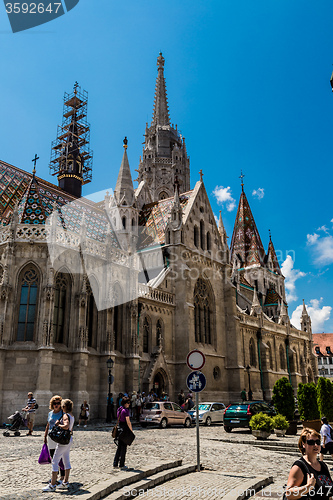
x,y
196,381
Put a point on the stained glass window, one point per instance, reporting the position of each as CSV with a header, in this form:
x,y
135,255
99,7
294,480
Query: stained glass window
x,y
203,307
61,308
28,305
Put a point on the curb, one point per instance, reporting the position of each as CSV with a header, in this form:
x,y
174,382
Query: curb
x,y
248,488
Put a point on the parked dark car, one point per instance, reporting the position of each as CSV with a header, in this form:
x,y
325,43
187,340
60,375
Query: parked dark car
x,y
239,414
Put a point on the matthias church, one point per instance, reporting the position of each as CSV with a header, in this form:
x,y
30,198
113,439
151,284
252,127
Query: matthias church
x,y
143,277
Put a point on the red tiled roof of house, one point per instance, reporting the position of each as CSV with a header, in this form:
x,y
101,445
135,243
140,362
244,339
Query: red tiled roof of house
x,y
323,341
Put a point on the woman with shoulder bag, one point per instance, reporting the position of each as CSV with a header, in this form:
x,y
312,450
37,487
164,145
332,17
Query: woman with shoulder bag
x,y
309,477
54,415
62,450
125,427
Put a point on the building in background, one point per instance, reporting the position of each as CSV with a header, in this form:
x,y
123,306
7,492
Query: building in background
x,y
144,276
323,349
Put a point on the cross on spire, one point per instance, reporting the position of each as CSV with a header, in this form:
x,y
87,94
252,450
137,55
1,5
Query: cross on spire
x,y
35,162
242,177
201,175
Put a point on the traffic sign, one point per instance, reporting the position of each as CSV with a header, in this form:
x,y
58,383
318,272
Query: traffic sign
x,y
196,381
195,360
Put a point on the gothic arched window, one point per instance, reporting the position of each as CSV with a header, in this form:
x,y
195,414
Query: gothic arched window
x,y
61,308
29,282
163,195
203,312
118,319
270,355
196,236
282,358
252,350
159,332
146,334
202,235
208,242
123,221
92,316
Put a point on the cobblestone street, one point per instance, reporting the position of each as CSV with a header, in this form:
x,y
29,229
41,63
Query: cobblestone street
x,y
21,476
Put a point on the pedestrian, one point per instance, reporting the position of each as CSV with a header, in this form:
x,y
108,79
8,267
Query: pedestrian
x,y
250,395
133,404
309,477
54,415
181,398
326,440
123,417
243,395
84,414
30,408
119,399
112,406
62,451
138,406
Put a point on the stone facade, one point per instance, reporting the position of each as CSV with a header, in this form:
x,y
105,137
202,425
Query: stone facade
x,y
144,277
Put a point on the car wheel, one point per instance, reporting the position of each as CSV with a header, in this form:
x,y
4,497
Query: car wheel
x,y
187,423
163,423
143,425
227,429
208,421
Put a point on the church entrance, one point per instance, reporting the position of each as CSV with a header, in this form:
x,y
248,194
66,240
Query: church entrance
x,y
159,384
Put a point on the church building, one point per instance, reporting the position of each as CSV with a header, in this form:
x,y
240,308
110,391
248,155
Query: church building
x,y
143,277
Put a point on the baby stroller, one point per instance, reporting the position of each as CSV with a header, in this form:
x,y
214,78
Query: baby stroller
x,y
17,421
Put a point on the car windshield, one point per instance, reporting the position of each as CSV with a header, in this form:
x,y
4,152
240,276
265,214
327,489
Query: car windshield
x,y
204,407
152,406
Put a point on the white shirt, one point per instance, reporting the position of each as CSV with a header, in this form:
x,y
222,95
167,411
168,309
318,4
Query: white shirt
x,y
325,431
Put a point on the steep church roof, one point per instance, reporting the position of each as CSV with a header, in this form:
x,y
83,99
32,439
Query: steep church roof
x,y
155,217
124,190
161,109
246,242
272,254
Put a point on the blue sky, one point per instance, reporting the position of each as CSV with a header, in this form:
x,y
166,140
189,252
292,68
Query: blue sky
x,y
248,86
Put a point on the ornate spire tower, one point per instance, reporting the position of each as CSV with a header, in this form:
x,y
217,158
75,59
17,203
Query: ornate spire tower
x,y
71,157
164,154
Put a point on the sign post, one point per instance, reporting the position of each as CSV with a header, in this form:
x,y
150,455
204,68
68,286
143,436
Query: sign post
x,y
196,382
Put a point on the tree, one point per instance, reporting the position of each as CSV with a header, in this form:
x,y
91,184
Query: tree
x,y
325,398
307,401
283,398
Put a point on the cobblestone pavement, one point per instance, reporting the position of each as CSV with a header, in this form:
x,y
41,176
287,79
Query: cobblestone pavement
x,y
21,477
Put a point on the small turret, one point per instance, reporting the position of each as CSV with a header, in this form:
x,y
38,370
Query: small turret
x,y
305,320
256,309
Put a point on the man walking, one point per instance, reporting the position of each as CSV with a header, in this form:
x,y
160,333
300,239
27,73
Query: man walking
x,y
31,410
243,395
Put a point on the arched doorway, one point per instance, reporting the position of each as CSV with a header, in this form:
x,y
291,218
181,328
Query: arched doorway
x,y
159,385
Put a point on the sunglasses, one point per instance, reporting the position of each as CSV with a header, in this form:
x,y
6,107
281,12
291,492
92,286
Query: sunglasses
x,y
312,442
56,403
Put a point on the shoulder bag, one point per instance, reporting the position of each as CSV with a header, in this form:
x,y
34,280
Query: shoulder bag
x,y
115,429
59,435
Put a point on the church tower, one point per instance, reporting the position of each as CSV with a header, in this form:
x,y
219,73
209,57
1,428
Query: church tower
x,y
71,157
164,157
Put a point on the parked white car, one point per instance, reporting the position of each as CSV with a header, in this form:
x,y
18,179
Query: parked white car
x,y
209,413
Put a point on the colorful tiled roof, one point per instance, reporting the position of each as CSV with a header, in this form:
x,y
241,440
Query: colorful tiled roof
x,y
246,241
155,217
37,199
272,298
272,254
243,281
323,341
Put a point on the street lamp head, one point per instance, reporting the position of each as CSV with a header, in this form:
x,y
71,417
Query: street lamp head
x,y
109,363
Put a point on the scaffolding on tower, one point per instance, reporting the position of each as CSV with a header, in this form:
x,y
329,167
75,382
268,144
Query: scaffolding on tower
x,y
73,137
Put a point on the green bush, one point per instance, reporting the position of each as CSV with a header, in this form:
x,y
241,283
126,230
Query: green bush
x,y
261,422
283,398
280,422
307,401
325,398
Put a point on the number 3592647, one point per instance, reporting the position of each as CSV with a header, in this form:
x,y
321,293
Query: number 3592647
x,y
32,8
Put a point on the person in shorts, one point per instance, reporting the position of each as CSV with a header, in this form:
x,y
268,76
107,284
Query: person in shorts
x,y
326,440
84,414
31,411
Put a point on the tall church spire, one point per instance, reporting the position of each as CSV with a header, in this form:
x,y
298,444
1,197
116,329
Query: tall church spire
x,y
164,155
246,242
124,191
161,110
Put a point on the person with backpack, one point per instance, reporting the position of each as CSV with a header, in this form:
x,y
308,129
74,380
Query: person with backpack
x,y
326,433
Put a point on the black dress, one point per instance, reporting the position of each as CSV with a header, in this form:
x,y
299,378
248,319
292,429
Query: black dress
x,y
324,484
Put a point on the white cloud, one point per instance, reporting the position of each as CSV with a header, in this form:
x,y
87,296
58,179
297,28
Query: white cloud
x,y
312,238
331,220
258,193
322,248
223,196
323,228
317,314
291,276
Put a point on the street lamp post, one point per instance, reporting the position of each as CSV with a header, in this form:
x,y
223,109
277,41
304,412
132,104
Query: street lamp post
x,y
109,364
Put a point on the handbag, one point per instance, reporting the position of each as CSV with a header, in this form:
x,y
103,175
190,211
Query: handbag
x,y
127,436
115,431
59,435
44,457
